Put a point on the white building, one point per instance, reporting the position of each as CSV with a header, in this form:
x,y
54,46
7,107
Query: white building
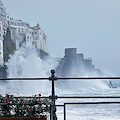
x,y
2,30
2,12
40,38
18,30
1,45
21,33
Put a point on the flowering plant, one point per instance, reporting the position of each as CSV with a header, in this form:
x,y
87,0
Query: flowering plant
x,y
34,106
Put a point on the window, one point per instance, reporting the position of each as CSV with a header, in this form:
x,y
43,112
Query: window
x,y
24,38
18,29
0,9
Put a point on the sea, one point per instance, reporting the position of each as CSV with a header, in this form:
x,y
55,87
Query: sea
x,y
90,111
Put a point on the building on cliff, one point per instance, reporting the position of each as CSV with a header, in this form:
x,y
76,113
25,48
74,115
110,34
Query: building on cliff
x,y
1,45
21,33
74,65
2,29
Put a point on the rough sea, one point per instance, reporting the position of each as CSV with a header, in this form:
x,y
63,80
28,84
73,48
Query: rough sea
x,y
26,63
91,111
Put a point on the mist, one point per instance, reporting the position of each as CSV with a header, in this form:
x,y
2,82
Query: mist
x,y
25,63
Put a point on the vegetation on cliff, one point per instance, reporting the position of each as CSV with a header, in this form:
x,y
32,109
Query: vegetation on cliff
x,y
8,45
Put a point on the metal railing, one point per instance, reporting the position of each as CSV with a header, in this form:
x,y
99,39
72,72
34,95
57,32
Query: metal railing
x,y
54,97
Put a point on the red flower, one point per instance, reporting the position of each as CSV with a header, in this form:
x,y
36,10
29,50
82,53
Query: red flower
x,y
16,98
29,110
7,100
8,95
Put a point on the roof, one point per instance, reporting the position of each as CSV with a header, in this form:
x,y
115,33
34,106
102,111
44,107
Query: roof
x,y
37,27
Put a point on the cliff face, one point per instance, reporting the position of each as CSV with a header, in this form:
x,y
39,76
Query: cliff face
x,y
73,65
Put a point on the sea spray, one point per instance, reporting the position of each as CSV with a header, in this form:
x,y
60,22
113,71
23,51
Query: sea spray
x,y
80,84
26,63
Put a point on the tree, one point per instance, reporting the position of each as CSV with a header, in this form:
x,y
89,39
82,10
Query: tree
x,y
8,45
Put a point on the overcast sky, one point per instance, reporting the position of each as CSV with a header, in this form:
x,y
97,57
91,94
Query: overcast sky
x,y
91,26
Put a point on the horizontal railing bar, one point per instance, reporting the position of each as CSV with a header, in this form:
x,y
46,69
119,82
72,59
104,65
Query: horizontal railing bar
x,y
25,79
80,78
85,78
67,97
59,105
32,97
72,103
74,97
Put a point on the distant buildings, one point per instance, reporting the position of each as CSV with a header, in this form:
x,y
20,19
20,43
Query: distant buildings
x,y
2,29
21,33
1,45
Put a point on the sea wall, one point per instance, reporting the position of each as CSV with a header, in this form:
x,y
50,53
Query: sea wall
x,y
3,72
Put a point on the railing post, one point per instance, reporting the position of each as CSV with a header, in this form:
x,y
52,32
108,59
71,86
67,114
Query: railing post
x,y
64,111
53,96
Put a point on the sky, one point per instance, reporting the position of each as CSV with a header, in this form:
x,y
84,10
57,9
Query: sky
x,y
91,26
